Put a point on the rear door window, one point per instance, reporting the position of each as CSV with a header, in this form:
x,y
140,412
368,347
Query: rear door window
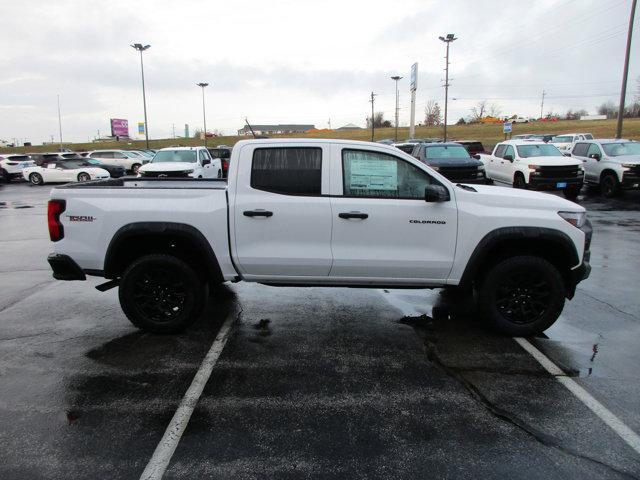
x,y
580,149
287,170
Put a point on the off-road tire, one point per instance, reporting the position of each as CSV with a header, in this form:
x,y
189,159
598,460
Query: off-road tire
x,y
609,185
161,294
519,181
521,296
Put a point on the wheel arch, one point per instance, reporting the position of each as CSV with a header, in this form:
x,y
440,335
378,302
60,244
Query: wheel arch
x,y
609,171
553,245
142,238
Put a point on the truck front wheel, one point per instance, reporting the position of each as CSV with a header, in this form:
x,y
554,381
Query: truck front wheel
x,y
161,294
519,181
521,296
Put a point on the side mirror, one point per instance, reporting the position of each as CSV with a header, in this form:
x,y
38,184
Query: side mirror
x,y
436,193
508,157
476,156
205,161
595,156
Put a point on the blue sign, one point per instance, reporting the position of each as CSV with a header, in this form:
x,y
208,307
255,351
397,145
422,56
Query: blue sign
x,y
507,127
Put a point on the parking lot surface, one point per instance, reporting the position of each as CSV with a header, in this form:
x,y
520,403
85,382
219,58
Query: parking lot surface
x,y
315,383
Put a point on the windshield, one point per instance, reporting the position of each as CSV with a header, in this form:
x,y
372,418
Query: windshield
x,y
184,156
621,148
447,151
534,150
562,139
91,161
132,154
72,164
588,136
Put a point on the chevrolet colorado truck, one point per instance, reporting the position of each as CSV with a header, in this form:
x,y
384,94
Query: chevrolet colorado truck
x,y
333,213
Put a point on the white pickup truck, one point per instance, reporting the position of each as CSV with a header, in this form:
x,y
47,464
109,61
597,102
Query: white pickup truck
x,y
320,213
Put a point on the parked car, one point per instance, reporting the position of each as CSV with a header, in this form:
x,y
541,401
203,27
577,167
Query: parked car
x,y
63,171
451,160
519,120
406,147
522,136
614,165
194,162
11,166
318,212
115,171
565,141
223,153
542,137
131,161
472,146
534,165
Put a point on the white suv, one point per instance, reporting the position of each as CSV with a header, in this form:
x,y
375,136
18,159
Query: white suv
x,y
534,165
614,165
565,141
122,158
11,166
194,162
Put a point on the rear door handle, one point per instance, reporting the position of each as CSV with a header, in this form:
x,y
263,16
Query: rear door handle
x,y
359,215
257,213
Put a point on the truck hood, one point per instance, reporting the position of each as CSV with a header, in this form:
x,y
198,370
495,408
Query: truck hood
x,y
635,159
167,167
493,196
551,161
453,162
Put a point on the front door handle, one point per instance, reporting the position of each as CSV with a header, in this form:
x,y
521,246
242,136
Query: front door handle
x,y
257,213
359,215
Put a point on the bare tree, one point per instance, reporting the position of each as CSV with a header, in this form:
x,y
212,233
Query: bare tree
x,y
479,111
494,110
432,114
378,121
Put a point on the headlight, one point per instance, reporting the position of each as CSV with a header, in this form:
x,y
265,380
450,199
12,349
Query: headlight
x,y
480,167
576,219
629,165
188,172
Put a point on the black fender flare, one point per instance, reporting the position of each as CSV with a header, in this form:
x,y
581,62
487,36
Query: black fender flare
x,y
212,266
499,235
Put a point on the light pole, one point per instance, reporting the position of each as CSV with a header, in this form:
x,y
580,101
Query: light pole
x,y
204,114
141,48
396,78
448,39
625,71
60,122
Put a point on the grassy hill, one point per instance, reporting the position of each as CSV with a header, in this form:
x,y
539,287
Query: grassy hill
x,y
489,135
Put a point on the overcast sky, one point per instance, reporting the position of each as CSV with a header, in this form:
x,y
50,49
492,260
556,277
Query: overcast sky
x,y
298,61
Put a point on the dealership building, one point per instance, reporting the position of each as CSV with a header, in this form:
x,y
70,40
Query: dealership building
x,y
275,129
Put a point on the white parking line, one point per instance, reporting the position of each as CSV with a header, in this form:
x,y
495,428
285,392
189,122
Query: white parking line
x,y
629,436
164,451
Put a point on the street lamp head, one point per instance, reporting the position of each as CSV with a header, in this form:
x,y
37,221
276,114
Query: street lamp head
x,y
449,38
140,47
396,78
202,84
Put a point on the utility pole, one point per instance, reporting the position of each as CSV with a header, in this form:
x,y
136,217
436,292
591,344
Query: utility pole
x,y
448,39
396,78
60,122
141,48
542,103
204,113
413,86
625,71
173,127
373,127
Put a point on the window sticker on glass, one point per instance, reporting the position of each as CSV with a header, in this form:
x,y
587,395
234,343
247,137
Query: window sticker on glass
x,y
373,174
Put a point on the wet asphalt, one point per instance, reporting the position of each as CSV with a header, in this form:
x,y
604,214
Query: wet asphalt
x,y
314,383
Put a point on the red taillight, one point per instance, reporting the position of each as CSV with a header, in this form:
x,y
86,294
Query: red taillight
x,y
56,230
225,165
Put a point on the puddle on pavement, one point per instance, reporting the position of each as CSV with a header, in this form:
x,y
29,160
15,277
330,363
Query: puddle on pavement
x,y
5,205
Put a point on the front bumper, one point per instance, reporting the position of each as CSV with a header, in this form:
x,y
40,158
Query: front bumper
x,y
630,181
536,183
65,268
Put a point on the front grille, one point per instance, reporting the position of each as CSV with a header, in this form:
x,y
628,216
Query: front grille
x,y
559,172
633,171
460,174
175,174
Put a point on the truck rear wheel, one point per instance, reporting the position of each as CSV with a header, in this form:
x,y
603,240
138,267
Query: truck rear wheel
x,y
161,294
521,296
609,185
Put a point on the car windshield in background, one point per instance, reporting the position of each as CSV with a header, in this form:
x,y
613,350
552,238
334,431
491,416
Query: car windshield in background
x,y
185,156
70,164
618,149
588,136
526,151
447,152
562,139
91,161
132,154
